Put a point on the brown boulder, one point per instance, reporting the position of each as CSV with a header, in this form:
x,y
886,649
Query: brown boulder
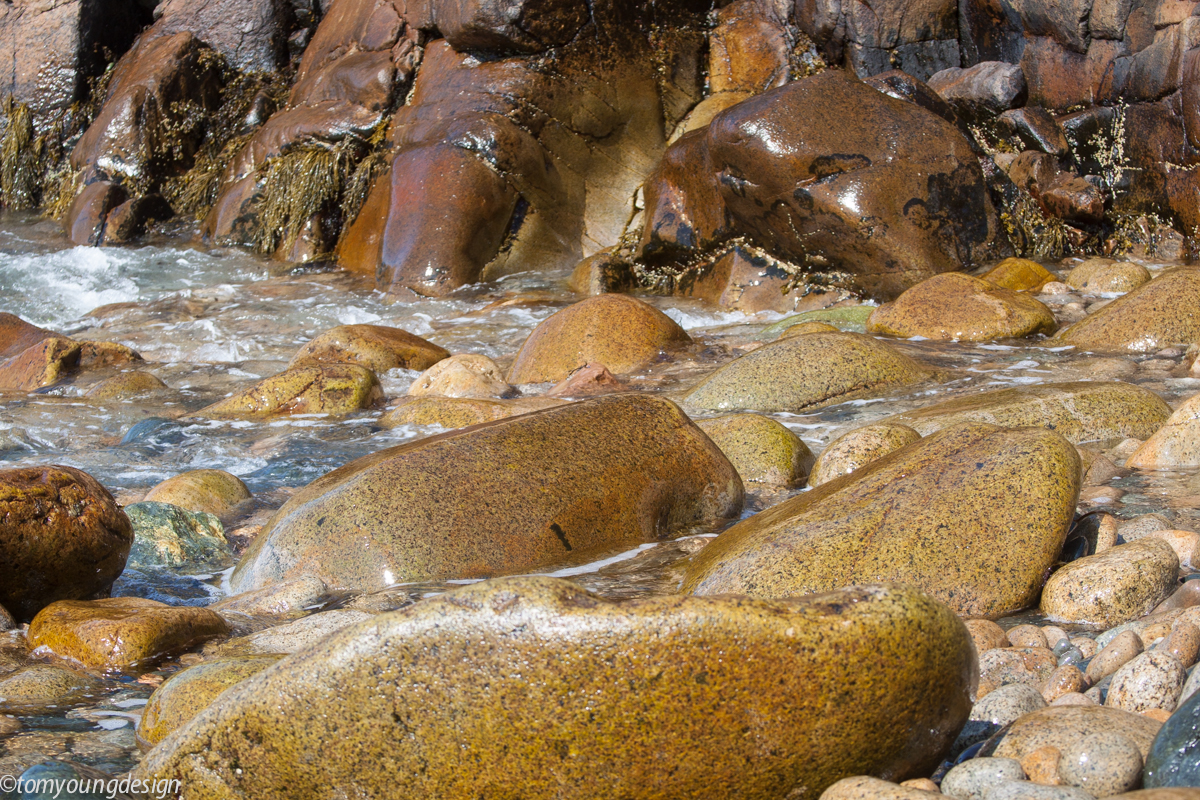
x,y
41,364
982,91
376,347
185,694
959,307
619,331
1158,314
1018,274
17,335
62,536
557,485
888,193
251,34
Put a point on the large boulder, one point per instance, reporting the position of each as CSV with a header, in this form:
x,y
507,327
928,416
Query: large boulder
x,y
510,496
807,371
516,677
937,514
1083,411
62,536
875,190
618,331
1153,316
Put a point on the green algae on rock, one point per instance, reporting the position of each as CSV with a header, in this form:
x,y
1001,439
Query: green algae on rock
x,y
957,307
185,694
1163,312
120,633
62,536
516,677
857,448
762,450
376,347
1121,584
807,371
616,330
847,318
548,487
975,515
1080,411
334,389
170,536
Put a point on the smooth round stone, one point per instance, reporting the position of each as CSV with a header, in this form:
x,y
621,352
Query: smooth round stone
x,y
188,692
128,384
997,709
1041,765
459,412
1074,699
986,635
1027,636
1118,652
1186,545
1072,655
1186,596
1031,665
1023,790
376,347
1103,764
859,447
1019,274
35,687
1067,679
864,787
462,375
972,779
1153,316
1173,758
1060,726
1100,275
812,326
1184,642
1175,444
760,449
1085,645
55,778
1142,525
1152,680
1054,635
212,491
1118,585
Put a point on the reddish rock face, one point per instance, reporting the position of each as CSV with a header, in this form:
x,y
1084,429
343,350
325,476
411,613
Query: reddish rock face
x,y
888,202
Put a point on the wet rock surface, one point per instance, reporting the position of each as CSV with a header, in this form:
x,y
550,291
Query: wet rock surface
x,y
1118,585
961,308
504,623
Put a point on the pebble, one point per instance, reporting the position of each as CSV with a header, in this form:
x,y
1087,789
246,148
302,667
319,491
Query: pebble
x,y
999,708
1185,596
864,787
1085,645
986,635
1115,655
1151,680
1027,636
1054,634
1142,525
1067,679
1031,665
924,784
1184,642
972,779
1041,765
1023,790
1118,585
1184,543
1102,764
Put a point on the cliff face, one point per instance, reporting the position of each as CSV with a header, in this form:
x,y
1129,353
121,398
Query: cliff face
x,y
438,142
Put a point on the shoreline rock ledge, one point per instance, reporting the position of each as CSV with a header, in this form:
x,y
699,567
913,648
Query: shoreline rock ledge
x,y
551,487
531,687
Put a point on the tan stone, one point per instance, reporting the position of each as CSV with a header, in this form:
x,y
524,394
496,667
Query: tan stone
x,y
463,375
376,347
210,490
857,448
1175,444
333,389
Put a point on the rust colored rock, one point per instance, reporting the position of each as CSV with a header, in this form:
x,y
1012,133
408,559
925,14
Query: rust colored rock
x,y
89,211
741,280
252,35
1018,274
334,389
575,480
1035,128
602,273
958,307
619,331
588,381
17,335
1158,314
62,536
986,635
376,347
130,219
749,49
120,634
922,515
829,193
506,682
42,364
527,26
982,91
1073,198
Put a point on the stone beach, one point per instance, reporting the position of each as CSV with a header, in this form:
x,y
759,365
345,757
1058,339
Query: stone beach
x,y
759,399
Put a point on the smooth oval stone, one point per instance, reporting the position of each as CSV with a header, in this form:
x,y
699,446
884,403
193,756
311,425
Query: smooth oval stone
x,y
213,491
1102,764
857,448
1118,585
121,633
1151,680
1158,314
1103,275
1082,411
761,449
185,694
1066,679
1175,444
1061,726
376,347
813,326
1172,760
810,371
62,536
986,635
128,384
170,536
459,412
864,787
1184,642
1031,665
926,514
1027,636
616,330
462,375
972,779
331,389
548,487
551,692
1024,790
957,307
31,689
1019,274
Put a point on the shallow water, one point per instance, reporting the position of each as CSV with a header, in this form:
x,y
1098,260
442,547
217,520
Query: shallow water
x,y
212,321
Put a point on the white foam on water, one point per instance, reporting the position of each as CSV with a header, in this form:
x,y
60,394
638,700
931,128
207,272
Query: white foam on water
x,y
53,288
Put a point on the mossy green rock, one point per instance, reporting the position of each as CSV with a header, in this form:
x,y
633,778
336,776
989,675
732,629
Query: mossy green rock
x,y
185,694
332,389
519,494
1121,584
169,536
808,371
762,450
957,307
1163,312
547,691
31,689
857,448
975,515
1080,411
